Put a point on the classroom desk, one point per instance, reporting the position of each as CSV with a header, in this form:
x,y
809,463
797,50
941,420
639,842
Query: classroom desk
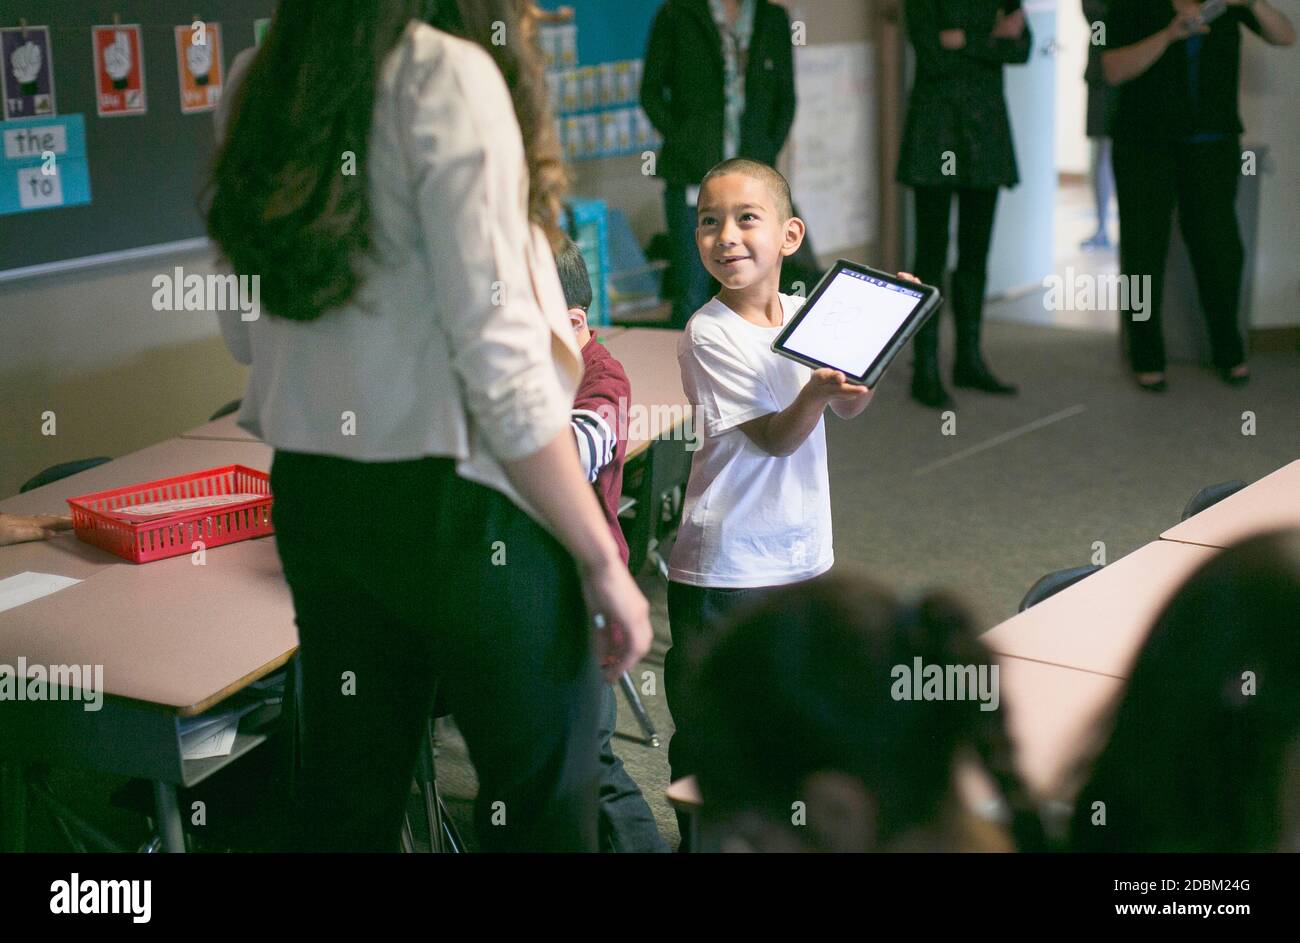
x,y
658,459
162,460
658,406
1052,713
174,638
1271,503
1100,623
221,429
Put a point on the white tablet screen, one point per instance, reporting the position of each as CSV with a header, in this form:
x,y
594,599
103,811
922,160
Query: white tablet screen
x,y
852,321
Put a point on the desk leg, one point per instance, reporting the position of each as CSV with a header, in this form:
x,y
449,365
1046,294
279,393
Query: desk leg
x,y
13,806
168,814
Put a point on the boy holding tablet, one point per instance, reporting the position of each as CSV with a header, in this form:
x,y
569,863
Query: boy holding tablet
x,y
757,513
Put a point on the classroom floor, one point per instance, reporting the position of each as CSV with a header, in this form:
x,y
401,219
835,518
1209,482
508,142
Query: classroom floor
x,y
1026,485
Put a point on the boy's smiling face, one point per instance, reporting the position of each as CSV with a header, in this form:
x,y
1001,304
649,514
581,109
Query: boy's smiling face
x,y
742,237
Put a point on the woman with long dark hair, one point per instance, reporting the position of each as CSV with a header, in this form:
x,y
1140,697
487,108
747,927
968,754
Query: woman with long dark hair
x,y
1177,143
1203,752
414,370
823,670
957,144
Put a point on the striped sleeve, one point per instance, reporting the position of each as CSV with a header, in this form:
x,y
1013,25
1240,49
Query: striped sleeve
x,y
595,439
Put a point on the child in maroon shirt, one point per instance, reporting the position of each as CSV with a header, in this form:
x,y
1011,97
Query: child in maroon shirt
x,y
625,821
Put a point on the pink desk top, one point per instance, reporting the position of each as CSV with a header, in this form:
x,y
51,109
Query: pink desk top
x,y
169,632
223,428
1272,502
649,355
1100,623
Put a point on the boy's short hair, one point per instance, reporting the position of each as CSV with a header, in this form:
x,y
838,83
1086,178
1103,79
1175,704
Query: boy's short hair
x,y
770,177
573,276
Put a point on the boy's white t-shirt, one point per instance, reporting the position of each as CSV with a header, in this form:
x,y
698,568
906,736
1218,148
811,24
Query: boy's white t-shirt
x,y
750,518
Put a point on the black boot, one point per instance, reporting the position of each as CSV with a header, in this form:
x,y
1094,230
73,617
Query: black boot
x,y
970,371
927,388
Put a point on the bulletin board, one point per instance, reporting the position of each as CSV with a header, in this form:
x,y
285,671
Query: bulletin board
x,y
144,169
593,77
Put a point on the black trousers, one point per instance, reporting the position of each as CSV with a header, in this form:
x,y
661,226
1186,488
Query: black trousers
x,y
695,614
692,283
625,822
976,207
405,575
1151,178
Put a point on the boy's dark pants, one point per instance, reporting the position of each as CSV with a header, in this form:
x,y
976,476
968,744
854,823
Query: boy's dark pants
x,y
626,823
694,616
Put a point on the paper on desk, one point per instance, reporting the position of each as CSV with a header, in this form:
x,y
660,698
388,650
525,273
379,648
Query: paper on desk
x,y
211,735
28,586
218,743
156,508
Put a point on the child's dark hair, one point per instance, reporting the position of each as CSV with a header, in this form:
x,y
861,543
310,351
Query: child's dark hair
x,y
1197,757
803,684
573,276
770,177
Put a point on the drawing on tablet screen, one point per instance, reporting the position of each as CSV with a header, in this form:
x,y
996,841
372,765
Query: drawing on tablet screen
x,y
840,321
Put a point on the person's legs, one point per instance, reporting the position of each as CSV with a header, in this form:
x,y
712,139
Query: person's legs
x,y
694,615
1145,187
1207,214
975,211
366,679
520,678
1103,185
691,280
625,822
933,207
501,600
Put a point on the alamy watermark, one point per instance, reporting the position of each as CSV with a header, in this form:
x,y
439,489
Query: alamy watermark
x,y
639,422
922,682
1077,291
211,292
26,682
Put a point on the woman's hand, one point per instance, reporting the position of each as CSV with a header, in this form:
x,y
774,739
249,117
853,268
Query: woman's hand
x,y
621,614
17,528
1184,24
952,39
1009,25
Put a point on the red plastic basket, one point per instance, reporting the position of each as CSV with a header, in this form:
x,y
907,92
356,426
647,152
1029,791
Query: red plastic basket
x,y
99,521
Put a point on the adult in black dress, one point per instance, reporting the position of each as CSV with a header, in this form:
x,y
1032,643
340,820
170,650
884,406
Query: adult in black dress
x,y
957,142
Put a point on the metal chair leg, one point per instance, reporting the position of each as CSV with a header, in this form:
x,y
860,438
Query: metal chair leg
x,y
72,825
638,709
432,814
169,817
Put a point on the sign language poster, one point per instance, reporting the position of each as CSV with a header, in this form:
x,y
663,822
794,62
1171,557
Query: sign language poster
x,y
198,62
119,70
28,72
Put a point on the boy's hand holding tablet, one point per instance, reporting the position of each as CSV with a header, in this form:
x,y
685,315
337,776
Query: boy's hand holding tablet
x,y
856,321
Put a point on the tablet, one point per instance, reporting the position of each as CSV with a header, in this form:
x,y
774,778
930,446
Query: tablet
x,y
856,321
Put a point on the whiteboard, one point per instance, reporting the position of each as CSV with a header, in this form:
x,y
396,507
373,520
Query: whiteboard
x,y
835,166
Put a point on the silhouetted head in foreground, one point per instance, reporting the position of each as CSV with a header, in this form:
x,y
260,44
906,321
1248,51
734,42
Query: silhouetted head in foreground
x,y
817,738
1205,749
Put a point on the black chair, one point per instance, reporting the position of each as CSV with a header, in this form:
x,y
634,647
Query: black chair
x,y
1210,496
226,410
62,470
1054,582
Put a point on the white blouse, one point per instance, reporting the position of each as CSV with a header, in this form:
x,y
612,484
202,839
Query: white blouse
x,y
458,341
